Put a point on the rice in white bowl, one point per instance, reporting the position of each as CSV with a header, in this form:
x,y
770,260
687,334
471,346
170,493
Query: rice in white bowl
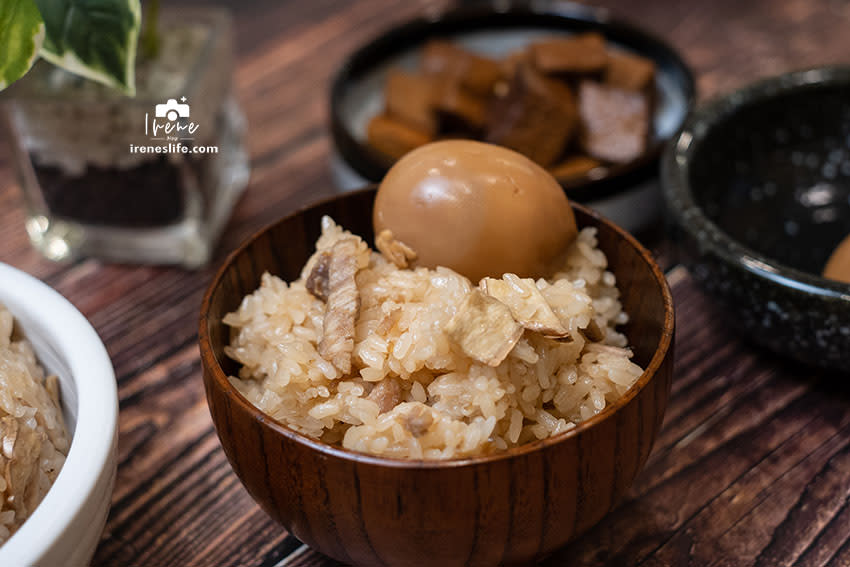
x,y
412,390
33,438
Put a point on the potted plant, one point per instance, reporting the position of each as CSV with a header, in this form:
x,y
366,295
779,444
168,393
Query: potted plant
x,y
122,153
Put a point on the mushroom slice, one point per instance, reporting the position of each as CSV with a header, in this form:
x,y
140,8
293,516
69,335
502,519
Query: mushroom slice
x,y
527,304
593,332
386,393
484,328
394,250
21,449
8,436
389,321
318,281
343,305
418,420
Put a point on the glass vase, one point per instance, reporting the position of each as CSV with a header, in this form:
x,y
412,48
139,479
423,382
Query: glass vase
x,y
147,179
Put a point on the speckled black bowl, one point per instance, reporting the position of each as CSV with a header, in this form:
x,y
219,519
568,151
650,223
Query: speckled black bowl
x,y
758,187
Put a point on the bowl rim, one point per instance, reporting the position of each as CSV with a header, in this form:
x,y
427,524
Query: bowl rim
x,y
679,195
93,443
372,165
214,372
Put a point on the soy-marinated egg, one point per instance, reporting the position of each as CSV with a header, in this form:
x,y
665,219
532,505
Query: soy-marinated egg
x,y
479,209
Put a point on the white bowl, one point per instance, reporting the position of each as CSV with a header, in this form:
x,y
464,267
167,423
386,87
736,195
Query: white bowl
x,y
67,525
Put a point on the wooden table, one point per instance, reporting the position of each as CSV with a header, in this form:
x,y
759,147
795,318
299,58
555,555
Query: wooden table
x,y
752,466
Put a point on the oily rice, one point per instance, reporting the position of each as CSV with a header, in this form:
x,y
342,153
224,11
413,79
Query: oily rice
x,y
412,391
33,437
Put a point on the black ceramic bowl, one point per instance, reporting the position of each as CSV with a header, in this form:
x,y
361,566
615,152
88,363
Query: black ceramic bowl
x,y
628,194
758,185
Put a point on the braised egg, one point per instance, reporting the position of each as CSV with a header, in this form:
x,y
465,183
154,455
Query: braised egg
x,y
479,209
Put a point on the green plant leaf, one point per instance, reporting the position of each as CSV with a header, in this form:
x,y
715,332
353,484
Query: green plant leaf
x,y
93,38
21,36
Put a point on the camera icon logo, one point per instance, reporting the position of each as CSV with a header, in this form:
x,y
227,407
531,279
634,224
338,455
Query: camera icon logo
x,y
172,110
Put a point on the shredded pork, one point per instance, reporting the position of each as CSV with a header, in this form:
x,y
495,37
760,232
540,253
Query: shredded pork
x,y
343,305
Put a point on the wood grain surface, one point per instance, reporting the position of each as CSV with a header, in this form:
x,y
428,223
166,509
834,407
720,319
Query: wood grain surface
x,y
752,466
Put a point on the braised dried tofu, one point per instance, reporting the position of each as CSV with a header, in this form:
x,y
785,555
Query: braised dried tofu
x,y
458,108
394,250
584,53
575,167
527,304
616,122
537,117
484,328
394,138
474,72
343,305
409,99
511,64
630,72
573,104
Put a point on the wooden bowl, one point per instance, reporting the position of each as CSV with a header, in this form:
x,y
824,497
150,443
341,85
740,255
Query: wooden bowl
x,y
507,508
